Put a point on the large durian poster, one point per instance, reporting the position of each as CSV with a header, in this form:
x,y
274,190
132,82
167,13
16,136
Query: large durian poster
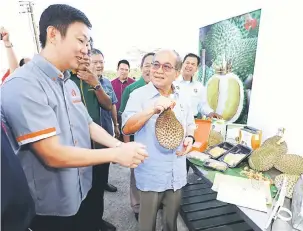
x,y
229,44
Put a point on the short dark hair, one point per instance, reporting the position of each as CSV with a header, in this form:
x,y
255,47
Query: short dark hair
x,y
22,62
91,42
60,16
193,56
97,52
123,61
145,56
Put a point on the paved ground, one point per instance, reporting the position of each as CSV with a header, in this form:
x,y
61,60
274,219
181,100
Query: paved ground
x,y
117,207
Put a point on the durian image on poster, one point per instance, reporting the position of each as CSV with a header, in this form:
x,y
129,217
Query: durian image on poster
x,y
228,51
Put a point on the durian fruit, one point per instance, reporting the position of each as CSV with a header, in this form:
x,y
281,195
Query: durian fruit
x,y
290,164
244,62
169,130
215,138
225,37
222,37
265,157
225,93
291,181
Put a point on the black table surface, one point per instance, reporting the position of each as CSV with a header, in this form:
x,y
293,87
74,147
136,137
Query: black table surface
x,y
201,210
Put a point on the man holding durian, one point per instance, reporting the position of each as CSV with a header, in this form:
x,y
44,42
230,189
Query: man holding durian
x,y
160,118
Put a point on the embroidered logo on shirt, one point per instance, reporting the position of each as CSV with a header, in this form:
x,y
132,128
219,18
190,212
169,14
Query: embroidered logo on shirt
x,y
195,90
74,93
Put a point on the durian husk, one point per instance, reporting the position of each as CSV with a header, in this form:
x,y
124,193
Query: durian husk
x,y
273,141
291,181
265,157
214,138
169,131
290,164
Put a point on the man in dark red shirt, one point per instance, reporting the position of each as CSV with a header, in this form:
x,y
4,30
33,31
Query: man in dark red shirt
x,y
120,83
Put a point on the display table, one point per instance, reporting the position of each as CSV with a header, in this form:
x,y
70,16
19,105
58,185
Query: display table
x,y
254,220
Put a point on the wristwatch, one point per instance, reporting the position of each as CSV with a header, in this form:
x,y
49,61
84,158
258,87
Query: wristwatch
x,y
97,87
9,46
192,138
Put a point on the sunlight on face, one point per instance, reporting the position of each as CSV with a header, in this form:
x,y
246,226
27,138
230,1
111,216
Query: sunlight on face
x,y
146,68
74,46
97,64
163,71
123,71
190,66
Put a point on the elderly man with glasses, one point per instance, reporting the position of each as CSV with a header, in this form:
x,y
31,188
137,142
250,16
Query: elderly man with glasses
x,y
161,177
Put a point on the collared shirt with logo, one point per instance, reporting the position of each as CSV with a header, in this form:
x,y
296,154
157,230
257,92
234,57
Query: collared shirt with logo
x,y
163,169
197,95
38,101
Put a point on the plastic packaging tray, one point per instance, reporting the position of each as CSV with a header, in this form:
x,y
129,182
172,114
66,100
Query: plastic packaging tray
x,y
198,156
238,149
225,145
211,163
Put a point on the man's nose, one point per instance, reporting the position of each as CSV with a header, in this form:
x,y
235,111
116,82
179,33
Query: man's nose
x,y
160,68
84,50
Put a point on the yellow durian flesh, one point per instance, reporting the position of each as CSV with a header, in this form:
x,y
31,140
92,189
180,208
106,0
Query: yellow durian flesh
x,y
213,93
233,100
226,96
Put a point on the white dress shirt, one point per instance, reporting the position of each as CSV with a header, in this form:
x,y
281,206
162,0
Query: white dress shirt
x,y
197,95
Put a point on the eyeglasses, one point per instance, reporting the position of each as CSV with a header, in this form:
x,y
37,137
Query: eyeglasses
x,y
166,67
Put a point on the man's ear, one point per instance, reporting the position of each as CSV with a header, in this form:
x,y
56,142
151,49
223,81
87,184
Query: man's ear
x,y
177,74
52,34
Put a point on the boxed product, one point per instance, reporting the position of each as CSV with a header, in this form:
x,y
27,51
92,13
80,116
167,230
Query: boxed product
x,y
250,137
219,126
297,205
201,134
233,133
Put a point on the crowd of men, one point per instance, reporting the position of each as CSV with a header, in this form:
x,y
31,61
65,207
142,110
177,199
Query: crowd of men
x,y
64,122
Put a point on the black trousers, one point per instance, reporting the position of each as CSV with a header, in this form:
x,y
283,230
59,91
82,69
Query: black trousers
x,y
90,213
